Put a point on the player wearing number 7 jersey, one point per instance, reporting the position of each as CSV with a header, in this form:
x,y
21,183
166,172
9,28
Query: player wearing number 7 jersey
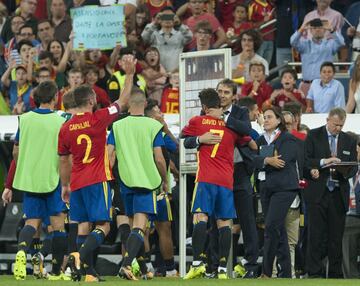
x,y
214,182
84,137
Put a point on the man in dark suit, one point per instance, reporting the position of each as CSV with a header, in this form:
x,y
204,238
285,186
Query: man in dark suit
x,y
328,192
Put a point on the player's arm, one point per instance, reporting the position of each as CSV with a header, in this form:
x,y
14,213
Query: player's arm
x,y
161,166
111,148
129,66
65,171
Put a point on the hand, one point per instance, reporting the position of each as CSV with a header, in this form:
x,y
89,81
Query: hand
x,y
304,27
275,94
215,112
129,64
209,138
327,25
314,173
275,161
12,64
351,31
331,160
165,187
260,119
256,85
6,196
65,194
177,21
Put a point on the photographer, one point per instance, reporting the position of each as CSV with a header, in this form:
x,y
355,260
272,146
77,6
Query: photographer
x,y
170,42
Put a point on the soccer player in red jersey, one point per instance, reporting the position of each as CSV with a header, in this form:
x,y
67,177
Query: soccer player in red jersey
x,y
214,182
84,137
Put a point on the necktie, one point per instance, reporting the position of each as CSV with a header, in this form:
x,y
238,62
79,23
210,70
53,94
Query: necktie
x,y
330,183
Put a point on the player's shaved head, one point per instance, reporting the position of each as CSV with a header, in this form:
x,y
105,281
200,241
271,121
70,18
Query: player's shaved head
x,y
68,100
209,98
137,97
45,92
82,95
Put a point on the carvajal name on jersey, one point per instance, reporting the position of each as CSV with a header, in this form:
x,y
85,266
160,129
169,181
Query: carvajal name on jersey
x,y
79,126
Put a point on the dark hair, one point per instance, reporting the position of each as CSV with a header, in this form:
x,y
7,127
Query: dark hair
x,y
126,51
328,64
229,83
26,26
167,8
22,43
255,35
46,55
203,25
153,49
241,5
42,69
61,45
293,107
45,21
82,95
69,100
278,114
150,104
248,102
290,71
143,9
45,92
90,68
210,98
16,16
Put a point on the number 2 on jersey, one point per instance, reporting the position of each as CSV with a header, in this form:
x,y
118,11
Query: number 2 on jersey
x,y
216,146
80,138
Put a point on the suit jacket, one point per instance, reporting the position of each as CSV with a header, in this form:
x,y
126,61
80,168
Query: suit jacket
x,y
244,170
317,148
284,179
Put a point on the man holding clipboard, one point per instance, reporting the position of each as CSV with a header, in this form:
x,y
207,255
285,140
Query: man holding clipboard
x,y
330,162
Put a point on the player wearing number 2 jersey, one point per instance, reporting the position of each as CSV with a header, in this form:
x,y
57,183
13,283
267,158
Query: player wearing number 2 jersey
x,y
84,137
213,191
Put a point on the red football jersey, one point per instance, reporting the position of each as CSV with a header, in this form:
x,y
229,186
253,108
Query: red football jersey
x,y
170,100
215,162
84,137
281,99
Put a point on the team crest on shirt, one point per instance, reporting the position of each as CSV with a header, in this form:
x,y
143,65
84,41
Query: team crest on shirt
x,y
113,85
112,109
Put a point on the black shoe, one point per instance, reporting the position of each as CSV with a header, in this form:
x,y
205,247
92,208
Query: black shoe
x,y
249,275
211,275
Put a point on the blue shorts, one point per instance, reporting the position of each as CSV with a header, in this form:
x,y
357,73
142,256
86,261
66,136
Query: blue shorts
x,y
213,200
91,203
42,206
163,209
138,202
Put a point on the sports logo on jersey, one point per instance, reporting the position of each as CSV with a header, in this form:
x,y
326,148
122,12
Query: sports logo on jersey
x,y
112,109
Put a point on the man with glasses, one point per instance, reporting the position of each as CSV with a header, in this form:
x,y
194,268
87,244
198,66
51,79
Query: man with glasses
x,y
16,22
27,9
198,14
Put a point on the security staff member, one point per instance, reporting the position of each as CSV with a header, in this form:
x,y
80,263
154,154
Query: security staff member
x,y
117,80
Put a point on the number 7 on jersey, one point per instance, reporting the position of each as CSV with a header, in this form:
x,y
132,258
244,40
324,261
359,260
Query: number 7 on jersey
x,y
216,146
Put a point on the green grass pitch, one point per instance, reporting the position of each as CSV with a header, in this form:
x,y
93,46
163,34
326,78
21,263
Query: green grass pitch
x,y
10,281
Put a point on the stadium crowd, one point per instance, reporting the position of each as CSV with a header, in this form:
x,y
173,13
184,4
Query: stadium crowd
x,y
280,191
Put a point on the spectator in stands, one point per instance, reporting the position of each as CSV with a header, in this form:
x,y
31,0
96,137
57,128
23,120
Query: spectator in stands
x,y
225,11
203,34
57,49
99,59
155,6
170,96
16,22
351,239
323,11
60,20
26,10
296,110
315,51
240,22
19,88
91,75
167,40
288,92
260,12
45,34
198,14
325,93
155,74
3,15
257,87
27,33
75,79
250,42
353,103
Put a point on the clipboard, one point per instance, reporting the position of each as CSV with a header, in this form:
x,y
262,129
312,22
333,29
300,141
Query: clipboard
x,y
340,164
